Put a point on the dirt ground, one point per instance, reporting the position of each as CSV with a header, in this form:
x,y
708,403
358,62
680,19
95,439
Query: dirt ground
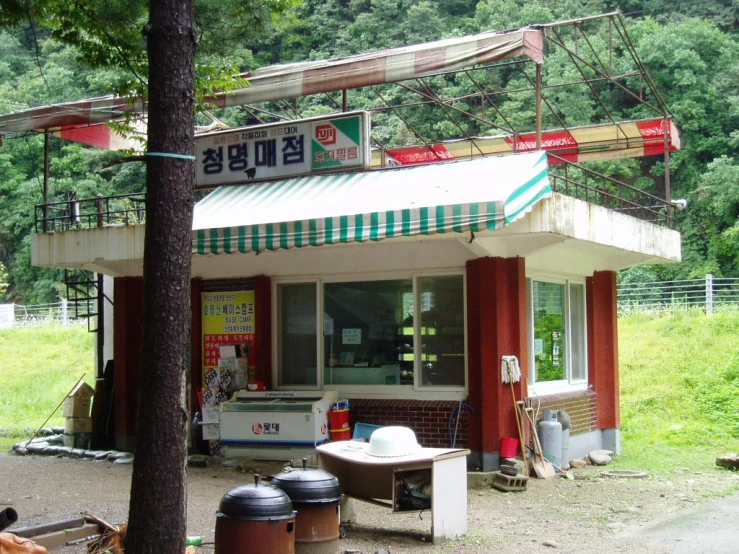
x,y
589,514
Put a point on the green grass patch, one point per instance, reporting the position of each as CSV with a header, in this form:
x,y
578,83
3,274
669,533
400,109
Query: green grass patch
x,y
38,367
679,384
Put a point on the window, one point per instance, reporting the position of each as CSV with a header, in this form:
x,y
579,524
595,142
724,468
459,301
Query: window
x,y
442,331
296,345
557,331
369,333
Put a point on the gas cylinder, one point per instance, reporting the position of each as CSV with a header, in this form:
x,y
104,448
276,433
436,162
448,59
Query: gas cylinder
x,y
550,437
564,418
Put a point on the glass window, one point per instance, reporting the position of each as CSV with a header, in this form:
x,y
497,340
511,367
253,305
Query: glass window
x,y
368,332
442,330
557,321
549,331
577,332
297,347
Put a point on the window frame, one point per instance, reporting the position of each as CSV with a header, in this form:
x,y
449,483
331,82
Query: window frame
x,y
417,390
569,383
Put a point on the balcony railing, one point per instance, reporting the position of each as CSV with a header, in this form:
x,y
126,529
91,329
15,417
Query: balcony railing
x,y
120,209
566,178
585,184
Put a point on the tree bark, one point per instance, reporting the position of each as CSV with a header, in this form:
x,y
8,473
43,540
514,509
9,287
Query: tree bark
x,y
157,510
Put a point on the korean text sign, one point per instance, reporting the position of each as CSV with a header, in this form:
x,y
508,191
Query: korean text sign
x,y
228,318
277,150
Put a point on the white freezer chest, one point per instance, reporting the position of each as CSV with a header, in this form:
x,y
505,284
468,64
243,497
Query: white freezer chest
x,y
276,418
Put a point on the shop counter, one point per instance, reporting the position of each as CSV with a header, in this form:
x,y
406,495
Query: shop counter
x,y
381,480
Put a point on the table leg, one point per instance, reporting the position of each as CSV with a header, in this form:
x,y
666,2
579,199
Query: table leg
x,y
449,498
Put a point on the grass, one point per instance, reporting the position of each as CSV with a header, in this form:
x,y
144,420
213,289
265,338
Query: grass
x,y
38,367
679,383
679,386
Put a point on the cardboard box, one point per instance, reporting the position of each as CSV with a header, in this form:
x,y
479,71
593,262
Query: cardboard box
x,y
74,425
77,403
211,431
76,407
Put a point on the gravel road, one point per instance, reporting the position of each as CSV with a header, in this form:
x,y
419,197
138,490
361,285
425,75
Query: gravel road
x,y
588,514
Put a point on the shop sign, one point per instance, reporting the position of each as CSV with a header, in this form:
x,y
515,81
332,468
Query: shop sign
x,y
289,148
228,321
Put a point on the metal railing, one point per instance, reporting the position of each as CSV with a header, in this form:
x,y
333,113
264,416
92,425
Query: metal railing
x,y
87,213
708,294
585,184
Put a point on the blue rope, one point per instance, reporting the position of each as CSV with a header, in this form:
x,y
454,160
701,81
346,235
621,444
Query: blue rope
x,y
167,155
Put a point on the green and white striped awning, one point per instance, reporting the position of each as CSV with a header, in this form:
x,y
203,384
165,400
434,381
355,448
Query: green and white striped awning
x,y
449,197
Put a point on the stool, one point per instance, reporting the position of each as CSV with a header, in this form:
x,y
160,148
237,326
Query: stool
x,y
509,483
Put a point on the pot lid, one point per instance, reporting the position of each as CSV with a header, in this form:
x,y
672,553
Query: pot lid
x,y
308,484
256,501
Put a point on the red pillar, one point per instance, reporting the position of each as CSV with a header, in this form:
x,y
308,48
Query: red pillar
x,y
496,327
603,347
263,328
127,322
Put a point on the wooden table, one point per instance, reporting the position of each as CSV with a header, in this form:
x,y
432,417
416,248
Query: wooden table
x,y
379,480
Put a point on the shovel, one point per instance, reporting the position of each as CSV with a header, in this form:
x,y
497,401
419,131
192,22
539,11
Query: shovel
x,y
542,467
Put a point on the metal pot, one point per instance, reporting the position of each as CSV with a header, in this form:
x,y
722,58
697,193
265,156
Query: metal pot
x,y
315,494
255,519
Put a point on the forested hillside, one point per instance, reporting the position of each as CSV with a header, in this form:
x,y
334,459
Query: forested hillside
x,y
691,50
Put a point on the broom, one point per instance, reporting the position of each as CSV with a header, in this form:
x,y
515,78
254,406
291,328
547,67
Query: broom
x,y
510,372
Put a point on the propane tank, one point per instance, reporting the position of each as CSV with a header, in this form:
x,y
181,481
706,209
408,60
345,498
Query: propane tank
x,y
550,437
564,418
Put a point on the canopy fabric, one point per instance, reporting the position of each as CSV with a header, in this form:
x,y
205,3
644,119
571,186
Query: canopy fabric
x,y
608,141
287,81
453,197
385,66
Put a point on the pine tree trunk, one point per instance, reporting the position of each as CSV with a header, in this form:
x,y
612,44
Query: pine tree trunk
x,y
157,511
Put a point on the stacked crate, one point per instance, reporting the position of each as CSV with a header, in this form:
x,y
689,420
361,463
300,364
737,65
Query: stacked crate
x,y
78,423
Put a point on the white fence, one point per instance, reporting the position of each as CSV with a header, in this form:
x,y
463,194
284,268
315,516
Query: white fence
x,y
707,294
19,315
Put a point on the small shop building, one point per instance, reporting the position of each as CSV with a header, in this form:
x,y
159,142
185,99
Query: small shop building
x,y
400,285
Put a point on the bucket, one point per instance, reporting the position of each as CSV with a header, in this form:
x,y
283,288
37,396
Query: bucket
x,y
338,419
508,447
341,434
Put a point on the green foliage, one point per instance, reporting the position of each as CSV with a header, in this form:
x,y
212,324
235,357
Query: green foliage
x,y
690,50
4,282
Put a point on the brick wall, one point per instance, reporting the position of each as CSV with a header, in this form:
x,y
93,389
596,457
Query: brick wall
x,y
581,407
428,419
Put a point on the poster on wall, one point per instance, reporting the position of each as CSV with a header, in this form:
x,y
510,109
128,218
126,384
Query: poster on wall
x,y
228,344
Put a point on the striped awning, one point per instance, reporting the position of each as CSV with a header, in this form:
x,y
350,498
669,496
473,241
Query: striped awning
x,y
453,197
277,82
